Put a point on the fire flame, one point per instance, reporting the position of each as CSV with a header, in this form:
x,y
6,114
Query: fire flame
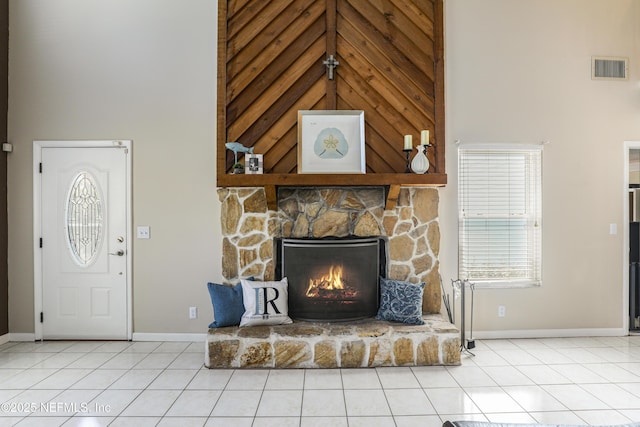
x,y
329,282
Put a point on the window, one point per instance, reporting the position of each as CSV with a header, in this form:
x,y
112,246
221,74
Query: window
x,y
499,210
84,219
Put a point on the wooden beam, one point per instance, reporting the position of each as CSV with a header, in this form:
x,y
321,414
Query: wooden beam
x,y
440,147
271,194
331,16
221,110
332,180
392,197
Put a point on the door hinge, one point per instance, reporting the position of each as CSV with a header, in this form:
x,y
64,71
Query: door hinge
x,y
41,317
40,167
41,242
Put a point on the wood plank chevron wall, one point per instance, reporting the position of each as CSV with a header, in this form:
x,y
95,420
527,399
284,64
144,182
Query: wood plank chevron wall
x,y
270,66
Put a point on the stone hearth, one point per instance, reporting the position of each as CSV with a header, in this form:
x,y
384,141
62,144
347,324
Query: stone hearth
x,y
366,343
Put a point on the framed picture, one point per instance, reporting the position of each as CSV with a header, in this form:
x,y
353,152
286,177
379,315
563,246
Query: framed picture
x,y
253,163
331,141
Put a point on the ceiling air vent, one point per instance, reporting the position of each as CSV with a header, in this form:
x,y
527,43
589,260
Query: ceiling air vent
x,y
609,68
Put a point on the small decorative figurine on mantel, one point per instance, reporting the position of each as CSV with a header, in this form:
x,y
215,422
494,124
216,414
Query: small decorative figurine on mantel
x,y
236,147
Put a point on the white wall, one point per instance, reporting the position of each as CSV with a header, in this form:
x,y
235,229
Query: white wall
x,y
520,71
145,70
131,69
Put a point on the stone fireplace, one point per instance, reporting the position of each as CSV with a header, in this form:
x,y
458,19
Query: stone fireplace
x,y
412,229
411,235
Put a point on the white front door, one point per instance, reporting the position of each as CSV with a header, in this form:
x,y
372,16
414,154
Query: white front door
x,y
84,251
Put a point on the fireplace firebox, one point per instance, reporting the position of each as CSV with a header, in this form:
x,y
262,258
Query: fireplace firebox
x,y
332,279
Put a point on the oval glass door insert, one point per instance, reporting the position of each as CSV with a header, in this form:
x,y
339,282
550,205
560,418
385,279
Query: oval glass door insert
x,y
84,219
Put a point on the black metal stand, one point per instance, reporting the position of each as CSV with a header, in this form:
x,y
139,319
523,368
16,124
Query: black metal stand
x,y
634,306
407,151
464,346
426,150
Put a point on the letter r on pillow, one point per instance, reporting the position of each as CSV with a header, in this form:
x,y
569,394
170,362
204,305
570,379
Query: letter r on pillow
x,y
266,301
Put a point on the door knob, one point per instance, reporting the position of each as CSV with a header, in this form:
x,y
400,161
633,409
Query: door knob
x,y
119,253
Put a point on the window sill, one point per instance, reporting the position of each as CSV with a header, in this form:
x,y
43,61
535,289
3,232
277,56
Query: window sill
x,y
506,285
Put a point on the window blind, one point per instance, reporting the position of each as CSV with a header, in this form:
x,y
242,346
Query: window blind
x,y
500,215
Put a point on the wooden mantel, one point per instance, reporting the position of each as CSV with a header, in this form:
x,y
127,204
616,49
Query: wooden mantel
x,y
391,181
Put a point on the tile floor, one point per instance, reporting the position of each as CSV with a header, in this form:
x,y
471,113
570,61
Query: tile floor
x,y
566,381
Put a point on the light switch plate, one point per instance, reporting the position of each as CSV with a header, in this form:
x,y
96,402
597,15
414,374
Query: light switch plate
x,y
144,232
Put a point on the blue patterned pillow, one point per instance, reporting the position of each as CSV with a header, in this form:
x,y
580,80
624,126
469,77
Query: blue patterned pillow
x,y
400,301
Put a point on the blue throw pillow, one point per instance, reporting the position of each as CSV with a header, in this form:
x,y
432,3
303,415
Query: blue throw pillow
x,y
400,301
228,306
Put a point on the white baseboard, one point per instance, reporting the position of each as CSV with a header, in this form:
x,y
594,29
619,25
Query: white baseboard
x,y
13,336
550,333
140,336
148,336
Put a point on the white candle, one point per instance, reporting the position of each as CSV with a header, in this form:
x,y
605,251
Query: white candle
x,y
408,142
424,137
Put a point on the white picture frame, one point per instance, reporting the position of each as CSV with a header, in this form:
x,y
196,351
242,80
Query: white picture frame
x,y
253,164
331,141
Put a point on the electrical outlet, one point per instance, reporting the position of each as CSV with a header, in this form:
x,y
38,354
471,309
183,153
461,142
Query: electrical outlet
x,y
143,232
193,312
502,311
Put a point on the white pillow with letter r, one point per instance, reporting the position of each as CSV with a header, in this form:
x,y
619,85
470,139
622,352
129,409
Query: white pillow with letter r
x,y
265,303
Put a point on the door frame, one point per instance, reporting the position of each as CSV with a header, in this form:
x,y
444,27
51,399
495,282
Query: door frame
x,y
628,146
37,222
